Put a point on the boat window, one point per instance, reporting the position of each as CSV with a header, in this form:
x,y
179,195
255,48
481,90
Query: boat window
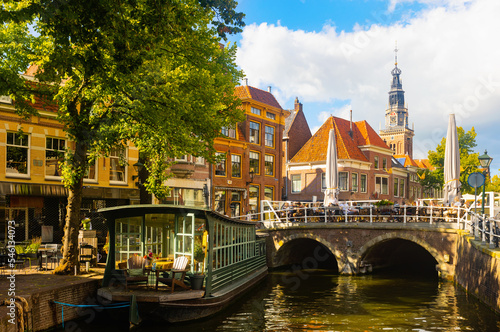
x,y
128,240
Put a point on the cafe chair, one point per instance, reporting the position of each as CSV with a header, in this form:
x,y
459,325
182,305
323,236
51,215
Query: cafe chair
x,y
177,274
56,257
51,249
136,272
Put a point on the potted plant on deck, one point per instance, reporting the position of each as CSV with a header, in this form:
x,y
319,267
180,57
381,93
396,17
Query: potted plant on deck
x,y
384,206
199,258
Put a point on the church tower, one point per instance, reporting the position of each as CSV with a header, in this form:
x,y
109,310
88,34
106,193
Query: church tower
x,y
397,135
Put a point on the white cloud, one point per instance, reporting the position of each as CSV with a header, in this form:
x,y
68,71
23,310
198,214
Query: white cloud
x,y
448,54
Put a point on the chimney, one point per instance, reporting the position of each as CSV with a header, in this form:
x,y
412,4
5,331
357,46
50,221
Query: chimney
x,y
246,81
269,89
350,130
298,105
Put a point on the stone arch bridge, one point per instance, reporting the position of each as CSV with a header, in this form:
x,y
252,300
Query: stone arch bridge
x,y
362,247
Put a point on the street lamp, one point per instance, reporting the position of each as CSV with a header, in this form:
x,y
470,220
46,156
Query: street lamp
x,y
138,166
485,162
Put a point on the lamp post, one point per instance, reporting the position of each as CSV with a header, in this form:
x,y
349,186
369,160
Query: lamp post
x,y
485,162
138,166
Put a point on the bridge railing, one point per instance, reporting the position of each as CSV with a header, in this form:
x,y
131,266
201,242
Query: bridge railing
x,y
484,229
282,214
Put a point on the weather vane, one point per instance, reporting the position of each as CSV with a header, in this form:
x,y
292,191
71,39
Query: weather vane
x,y
396,54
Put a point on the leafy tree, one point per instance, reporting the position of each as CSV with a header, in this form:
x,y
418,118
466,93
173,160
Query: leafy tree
x,y
493,184
468,159
148,72
430,181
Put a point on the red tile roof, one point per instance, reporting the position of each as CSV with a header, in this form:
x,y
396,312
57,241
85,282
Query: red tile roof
x,y
347,148
424,163
248,92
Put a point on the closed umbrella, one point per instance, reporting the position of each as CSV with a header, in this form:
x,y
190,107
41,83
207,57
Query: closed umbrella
x,y
451,164
331,171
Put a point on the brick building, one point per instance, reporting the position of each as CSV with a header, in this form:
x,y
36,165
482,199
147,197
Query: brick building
x,y
31,190
366,169
295,135
253,156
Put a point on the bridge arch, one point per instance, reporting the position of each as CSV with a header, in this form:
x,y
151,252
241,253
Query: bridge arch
x,y
286,251
369,245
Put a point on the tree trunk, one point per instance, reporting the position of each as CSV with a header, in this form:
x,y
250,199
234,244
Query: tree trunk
x,y
70,248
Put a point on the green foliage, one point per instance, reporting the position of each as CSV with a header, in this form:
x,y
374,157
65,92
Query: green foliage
x,y
19,249
493,184
150,73
430,181
468,159
199,254
154,75
383,202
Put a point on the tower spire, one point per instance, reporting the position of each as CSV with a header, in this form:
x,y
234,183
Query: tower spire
x,y
396,54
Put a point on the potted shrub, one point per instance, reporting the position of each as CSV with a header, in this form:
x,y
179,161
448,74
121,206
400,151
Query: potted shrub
x,y
384,205
199,258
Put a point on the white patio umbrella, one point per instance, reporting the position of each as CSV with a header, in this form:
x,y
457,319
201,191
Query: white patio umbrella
x,y
451,164
331,171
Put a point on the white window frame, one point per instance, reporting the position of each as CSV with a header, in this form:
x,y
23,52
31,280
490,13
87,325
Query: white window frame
x,y
255,110
296,180
96,170
366,183
53,177
354,175
250,155
233,161
266,140
224,162
382,185
200,161
125,172
26,137
265,164
344,186
252,137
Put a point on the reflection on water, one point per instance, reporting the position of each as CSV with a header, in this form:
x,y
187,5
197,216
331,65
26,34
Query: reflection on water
x,y
319,300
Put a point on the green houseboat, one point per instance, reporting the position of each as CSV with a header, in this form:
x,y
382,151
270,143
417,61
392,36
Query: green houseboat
x,y
226,251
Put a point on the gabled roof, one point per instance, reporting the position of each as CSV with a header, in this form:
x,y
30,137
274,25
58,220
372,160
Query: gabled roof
x,y
289,121
249,92
424,163
396,163
347,148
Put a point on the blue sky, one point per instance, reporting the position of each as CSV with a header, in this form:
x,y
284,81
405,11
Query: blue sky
x,y
337,55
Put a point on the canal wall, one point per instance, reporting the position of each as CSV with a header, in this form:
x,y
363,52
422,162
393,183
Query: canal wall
x,y
460,258
478,270
40,291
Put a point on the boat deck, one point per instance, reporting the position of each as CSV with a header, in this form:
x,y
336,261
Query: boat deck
x,y
149,294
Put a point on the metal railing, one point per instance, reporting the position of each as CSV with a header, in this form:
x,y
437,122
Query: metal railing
x,y
282,214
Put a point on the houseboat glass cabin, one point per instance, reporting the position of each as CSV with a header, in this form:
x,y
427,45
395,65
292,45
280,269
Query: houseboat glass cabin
x,y
224,249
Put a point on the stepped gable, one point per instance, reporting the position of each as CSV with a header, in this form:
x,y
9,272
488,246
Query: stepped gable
x,y
347,148
249,92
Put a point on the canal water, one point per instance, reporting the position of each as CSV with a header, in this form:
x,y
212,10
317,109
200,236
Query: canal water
x,y
319,300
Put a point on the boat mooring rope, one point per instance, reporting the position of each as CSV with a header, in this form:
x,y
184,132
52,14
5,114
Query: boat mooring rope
x,y
22,311
99,306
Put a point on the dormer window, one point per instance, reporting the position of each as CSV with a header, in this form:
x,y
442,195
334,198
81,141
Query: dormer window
x,y
255,111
